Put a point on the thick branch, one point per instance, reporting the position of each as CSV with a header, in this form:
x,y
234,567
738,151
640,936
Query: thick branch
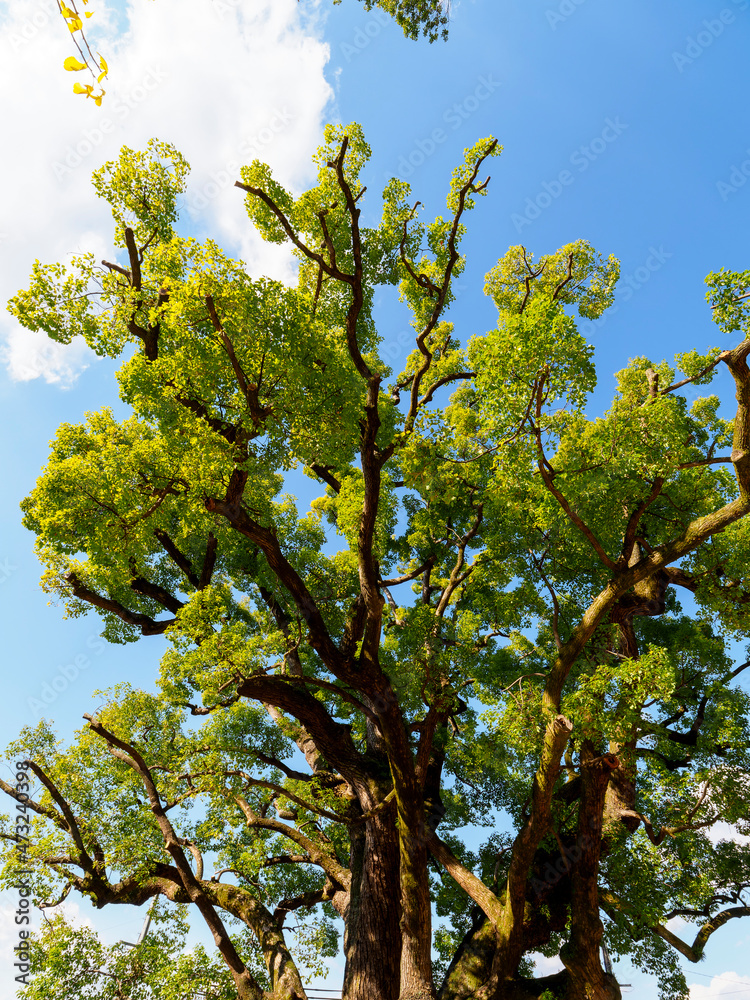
x,y
245,982
140,585
332,739
177,557
317,854
265,538
473,886
148,625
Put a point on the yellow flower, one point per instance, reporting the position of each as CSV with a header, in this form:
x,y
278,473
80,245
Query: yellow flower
x,y
73,64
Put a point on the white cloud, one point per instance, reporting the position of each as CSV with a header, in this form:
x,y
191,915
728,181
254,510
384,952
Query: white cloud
x,y
8,929
725,984
73,913
31,354
547,966
9,937
226,81
726,831
677,925
8,941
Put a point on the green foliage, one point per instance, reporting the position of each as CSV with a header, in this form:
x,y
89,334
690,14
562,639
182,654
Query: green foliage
x,y
315,941
465,520
574,275
69,960
142,189
727,296
415,17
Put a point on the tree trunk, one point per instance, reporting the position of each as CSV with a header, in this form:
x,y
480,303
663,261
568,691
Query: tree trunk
x,y
372,941
471,965
582,953
416,915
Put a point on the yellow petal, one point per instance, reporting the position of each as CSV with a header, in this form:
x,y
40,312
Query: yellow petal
x,y
89,13
81,88
67,12
103,67
75,24
98,100
73,64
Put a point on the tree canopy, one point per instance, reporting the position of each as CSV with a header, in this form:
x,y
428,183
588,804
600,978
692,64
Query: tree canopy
x,y
475,624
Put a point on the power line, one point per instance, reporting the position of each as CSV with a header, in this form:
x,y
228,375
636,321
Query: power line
x,y
724,979
732,992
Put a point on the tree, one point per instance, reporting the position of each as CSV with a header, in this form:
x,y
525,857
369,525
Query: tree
x,y
477,613
69,961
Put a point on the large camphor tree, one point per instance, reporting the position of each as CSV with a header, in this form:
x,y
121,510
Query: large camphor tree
x,y
474,625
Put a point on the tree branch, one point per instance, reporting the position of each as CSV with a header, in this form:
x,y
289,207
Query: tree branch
x,y
148,625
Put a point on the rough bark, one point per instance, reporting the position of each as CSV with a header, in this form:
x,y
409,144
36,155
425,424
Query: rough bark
x,y
471,965
372,941
581,954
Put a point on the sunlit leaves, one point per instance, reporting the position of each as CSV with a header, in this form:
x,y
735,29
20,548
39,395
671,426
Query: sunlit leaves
x,y
142,189
96,65
475,493
610,697
728,295
58,301
574,275
415,17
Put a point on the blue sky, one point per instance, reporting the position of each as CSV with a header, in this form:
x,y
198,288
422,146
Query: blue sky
x,y
624,124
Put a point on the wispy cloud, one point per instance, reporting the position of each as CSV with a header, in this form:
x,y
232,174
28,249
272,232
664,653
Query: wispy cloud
x,y
722,985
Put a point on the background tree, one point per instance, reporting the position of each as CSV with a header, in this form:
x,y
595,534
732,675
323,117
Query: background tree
x,y
498,630
69,961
